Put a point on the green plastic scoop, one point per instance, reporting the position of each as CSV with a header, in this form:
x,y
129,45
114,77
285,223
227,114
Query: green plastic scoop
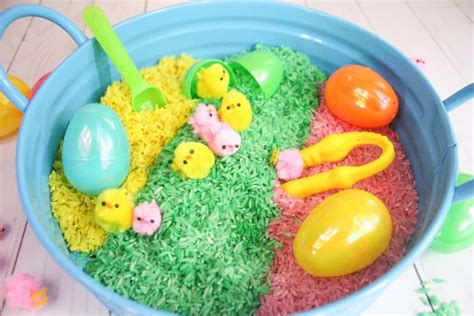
x,y
144,95
264,66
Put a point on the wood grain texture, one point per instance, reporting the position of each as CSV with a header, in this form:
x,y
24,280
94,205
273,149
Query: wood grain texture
x,y
346,9
448,27
13,36
457,269
466,7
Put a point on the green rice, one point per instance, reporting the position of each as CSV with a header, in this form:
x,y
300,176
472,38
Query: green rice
x,y
212,252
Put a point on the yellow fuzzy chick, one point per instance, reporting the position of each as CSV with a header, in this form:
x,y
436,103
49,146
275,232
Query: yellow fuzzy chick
x,y
193,160
213,82
236,111
113,211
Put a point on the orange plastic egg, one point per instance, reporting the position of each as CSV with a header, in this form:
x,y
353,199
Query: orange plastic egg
x,y
359,96
10,116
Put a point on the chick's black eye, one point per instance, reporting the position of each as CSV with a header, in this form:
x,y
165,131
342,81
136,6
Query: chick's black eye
x,y
237,146
117,206
152,221
191,151
224,146
103,203
238,104
185,162
139,218
228,107
210,114
222,78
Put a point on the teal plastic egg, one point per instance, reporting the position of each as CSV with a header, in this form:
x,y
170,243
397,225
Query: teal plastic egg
x,y
96,153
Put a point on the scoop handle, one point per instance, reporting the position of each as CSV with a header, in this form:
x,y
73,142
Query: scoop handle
x,y
111,44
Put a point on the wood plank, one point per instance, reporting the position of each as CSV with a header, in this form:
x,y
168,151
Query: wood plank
x,y
467,7
346,9
457,271
119,10
11,214
14,34
152,5
45,44
453,33
412,39
451,30
67,297
399,298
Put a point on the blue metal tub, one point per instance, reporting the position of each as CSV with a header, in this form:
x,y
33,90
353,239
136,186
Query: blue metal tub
x,y
217,29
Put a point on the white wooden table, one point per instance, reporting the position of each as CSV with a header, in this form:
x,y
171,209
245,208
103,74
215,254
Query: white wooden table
x,y
440,31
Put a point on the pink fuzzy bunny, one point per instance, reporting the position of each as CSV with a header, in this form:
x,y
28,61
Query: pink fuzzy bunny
x,y
289,165
146,218
25,292
224,140
203,119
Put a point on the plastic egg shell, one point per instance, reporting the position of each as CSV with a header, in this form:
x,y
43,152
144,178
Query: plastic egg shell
x,y
96,153
10,116
360,96
345,233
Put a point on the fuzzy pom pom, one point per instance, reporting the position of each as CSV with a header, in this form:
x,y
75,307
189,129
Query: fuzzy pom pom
x,y
420,62
3,230
225,141
289,165
25,292
146,218
203,119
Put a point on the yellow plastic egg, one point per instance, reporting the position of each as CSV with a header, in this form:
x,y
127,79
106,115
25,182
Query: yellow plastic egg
x,y
10,116
343,234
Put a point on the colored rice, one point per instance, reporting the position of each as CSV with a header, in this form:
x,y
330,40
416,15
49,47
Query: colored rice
x,y
292,289
147,133
212,252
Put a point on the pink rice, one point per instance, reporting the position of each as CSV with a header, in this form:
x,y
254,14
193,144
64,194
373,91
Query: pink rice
x,y
293,290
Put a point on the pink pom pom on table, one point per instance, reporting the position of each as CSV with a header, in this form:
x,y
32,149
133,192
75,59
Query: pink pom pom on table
x,y
25,292
289,165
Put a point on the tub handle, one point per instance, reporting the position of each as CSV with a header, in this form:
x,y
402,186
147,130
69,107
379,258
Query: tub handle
x,y
14,13
465,190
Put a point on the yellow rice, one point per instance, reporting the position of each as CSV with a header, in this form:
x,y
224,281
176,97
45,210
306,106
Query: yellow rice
x,y
147,131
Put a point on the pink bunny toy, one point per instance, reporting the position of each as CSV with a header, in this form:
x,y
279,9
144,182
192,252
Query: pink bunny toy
x,y
203,119
146,218
225,141
289,165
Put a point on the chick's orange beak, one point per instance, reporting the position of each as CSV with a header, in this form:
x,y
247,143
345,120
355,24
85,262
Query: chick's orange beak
x,y
188,157
109,205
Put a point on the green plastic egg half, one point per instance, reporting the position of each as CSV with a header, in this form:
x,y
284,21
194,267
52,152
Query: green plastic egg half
x,y
96,152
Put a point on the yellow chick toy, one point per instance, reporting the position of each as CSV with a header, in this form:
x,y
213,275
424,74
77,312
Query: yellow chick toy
x,y
193,160
236,111
113,211
213,82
